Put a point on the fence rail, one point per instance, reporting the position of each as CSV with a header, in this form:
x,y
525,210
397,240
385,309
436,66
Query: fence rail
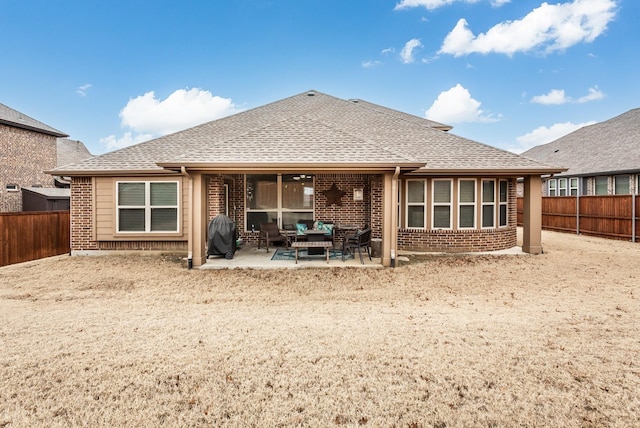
x,y
28,236
611,216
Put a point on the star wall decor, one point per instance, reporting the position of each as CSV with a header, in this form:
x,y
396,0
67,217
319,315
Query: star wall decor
x,y
334,195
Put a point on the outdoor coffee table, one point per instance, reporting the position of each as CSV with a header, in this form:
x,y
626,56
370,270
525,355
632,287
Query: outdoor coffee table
x,y
312,244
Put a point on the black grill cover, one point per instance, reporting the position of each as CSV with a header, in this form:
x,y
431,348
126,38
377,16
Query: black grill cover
x,y
222,237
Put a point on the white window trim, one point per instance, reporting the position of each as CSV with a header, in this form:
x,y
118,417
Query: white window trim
x,y
562,187
422,204
474,203
493,203
572,187
147,208
552,186
505,204
441,204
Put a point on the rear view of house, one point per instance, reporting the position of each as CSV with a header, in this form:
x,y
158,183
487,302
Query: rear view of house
x,y
308,157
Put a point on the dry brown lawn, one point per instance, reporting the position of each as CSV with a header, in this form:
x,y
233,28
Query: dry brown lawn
x,y
450,341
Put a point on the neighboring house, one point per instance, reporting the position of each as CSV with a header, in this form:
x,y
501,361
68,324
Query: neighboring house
x,y
602,159
58,198
27,149
310,156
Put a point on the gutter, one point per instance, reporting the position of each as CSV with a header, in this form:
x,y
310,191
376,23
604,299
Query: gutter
x,y
183,171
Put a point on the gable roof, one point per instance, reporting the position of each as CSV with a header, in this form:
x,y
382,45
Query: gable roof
x,y
608,147
312,131
11,117
70,152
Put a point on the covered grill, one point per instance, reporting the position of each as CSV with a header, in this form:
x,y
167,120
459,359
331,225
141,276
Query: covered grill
x,y
221,237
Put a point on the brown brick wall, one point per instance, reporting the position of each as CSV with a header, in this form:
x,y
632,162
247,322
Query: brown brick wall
x,y
457,241
24,156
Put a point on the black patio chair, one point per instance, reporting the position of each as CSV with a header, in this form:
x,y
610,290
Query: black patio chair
x,y
361,240
270,233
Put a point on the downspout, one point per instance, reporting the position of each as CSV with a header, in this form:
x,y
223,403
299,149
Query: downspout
x,y
394,216
184,172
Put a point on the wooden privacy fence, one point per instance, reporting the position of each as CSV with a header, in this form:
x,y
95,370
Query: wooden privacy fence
x,y
28,236
611,216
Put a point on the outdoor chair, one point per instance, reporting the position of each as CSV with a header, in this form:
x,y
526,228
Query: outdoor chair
x,y
270,233
360,240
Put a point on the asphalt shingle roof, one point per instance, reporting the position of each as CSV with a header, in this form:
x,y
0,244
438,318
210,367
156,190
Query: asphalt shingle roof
x,y
612,146
11,117
312,128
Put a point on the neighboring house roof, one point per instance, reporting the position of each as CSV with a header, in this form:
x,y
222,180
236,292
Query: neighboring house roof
x,y
11,117
608,147
71,151
315,131
50,192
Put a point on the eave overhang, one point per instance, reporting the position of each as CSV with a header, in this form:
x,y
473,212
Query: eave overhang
x,y
478,172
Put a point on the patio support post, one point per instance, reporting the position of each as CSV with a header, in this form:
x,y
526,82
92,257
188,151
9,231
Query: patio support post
x,y
532,215
389,219
198,216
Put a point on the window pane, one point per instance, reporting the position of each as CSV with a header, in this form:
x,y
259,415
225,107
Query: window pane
x,y
503,191
164,219
487,216
297,191
415,216
131,220
441,217
503,215
164,193
467,191
254,219
488,191
442,191
131,194
466,216
262,191
415,191
622,184
601,186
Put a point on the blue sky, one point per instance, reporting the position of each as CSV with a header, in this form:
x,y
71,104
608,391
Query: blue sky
x,y
511,74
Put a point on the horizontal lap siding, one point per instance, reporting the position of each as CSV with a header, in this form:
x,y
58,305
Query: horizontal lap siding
x,y
93,217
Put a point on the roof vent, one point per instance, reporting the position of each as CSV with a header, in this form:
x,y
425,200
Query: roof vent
x,y
311,93
556,150
355,101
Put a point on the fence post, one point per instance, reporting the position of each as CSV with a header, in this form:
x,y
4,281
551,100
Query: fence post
x,y
633,217
578,212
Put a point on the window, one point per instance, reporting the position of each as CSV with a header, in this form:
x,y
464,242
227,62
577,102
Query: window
x,y
278,198
416,204
441,204
552,187
602,185
147,206
488,203
621,184
466,204
573,186
562,187
503,199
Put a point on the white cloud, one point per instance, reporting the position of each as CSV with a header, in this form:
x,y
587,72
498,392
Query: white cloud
x,y
543,135
82,90
387,51
455,106
547,28
370,63
113,143
148,116
407,55
593,95
434,4
557,97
